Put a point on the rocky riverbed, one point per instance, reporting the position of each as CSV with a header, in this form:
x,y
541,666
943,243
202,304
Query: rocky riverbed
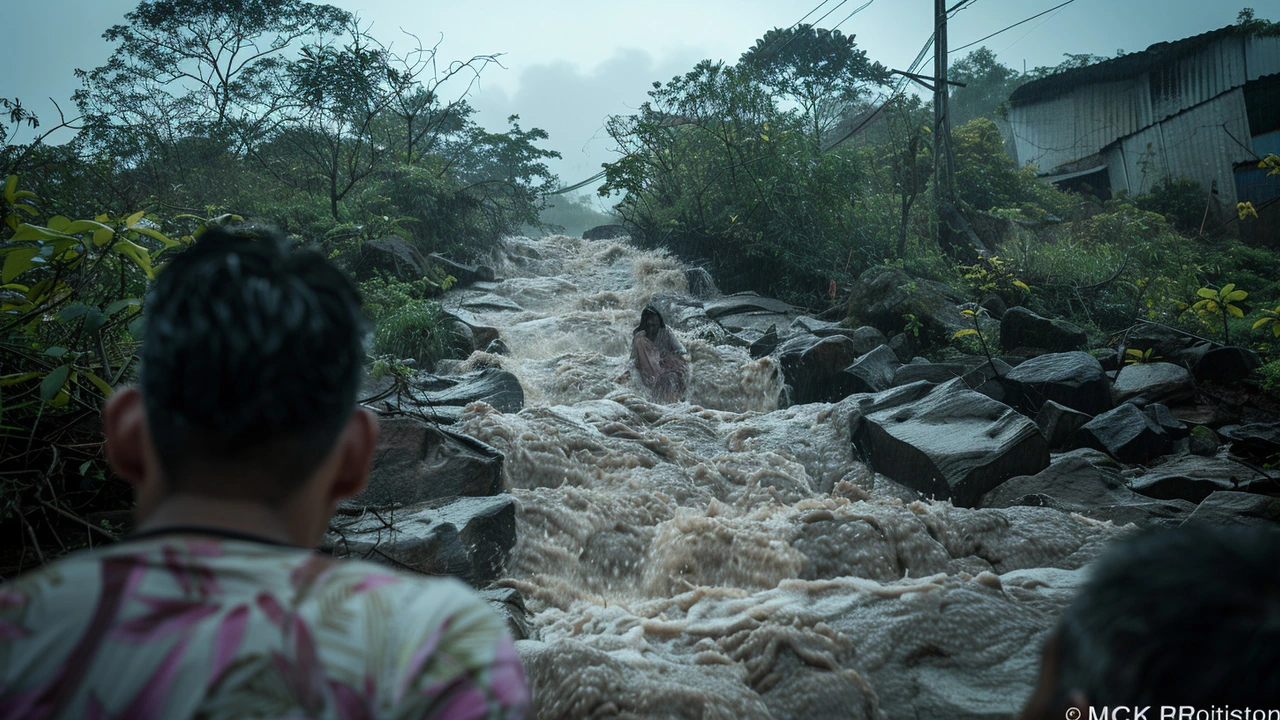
x,y
825,528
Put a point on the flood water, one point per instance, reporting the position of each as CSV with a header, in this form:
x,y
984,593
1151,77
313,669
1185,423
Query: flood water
x,y
723,558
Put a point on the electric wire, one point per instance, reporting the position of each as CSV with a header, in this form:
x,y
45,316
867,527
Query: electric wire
x,y
1020,22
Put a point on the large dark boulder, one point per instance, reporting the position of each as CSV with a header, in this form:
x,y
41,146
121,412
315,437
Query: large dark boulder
x,y
390,256
1257,442
1126,434
1165,343
873,372
471,327
1059,422
1237,508
885,297
865,339
765,344
744,302
469,538
814,367
464,274
1226,364
1193,478
946,441
416,461
1021,328
1074,484
1072,379
605,232
495,386
1154,382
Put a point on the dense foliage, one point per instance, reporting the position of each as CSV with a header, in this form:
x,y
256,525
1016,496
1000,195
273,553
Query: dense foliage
x,y
281,113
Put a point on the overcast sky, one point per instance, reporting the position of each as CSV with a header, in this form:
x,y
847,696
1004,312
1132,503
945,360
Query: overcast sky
x,y
568,63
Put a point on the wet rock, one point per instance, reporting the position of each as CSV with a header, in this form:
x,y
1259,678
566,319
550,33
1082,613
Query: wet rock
x,y
873,372
489,302
498,347
1021,328
391,256
605,232
509,604
1226,364
465,274
1163,417
812,366
883,297
902,345
1126,434
807,325
1058,422
1193,478
480,333
1164,343
951,443
1225,507
1204,441
766,344
1156,382
865,339
936,373
681,312
746,302
468,538
1073,485
1108,358
1072,379
495,386
994,305
416,461
1153,513
1257,442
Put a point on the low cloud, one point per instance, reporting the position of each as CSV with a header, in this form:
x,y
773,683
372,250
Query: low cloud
x,y
571,104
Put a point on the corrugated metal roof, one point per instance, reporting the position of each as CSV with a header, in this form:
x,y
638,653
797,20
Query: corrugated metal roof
x,y
1154,59
1262,57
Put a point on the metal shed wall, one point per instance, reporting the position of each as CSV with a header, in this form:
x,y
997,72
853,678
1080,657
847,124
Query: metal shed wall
x,y
1091,118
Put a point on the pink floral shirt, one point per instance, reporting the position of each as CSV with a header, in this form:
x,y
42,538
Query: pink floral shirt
x,y
184,627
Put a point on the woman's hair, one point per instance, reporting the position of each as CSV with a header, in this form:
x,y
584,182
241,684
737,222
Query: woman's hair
x,y
648,311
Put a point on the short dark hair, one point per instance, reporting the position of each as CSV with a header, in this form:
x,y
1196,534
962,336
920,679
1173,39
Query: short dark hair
x,y
251,361
1185,616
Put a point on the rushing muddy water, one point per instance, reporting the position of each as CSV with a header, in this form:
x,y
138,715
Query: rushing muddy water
x,y
722,558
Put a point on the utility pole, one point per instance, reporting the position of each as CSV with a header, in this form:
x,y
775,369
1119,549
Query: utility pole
x,y
943,172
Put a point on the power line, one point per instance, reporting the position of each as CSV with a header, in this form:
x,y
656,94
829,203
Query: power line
x,y
862,7
1020,22
915,65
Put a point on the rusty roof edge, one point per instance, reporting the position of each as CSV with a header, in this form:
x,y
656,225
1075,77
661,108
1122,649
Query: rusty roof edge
x,y
1121,68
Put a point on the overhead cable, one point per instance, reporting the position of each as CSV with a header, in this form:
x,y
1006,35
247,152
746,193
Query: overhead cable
x,y
1020,22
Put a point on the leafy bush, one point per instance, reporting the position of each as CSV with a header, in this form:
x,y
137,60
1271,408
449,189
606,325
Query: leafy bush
x,y
419,330
1270,375
1181,201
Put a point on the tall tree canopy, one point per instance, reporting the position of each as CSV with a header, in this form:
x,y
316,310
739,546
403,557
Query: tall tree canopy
x,y
822,71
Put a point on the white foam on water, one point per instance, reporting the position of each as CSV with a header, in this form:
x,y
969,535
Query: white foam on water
x,y
721,558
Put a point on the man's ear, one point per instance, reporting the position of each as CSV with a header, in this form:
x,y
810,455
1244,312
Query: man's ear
x,y
128,446
358,441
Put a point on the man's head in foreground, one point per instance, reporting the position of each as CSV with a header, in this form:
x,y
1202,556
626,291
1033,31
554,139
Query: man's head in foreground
x,y
1185,617
245,417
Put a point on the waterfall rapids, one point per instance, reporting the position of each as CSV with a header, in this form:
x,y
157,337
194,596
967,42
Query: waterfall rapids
x,y
722,558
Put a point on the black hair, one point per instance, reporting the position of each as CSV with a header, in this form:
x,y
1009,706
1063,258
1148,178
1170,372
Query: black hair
x,y
250,365
1186,616
649,310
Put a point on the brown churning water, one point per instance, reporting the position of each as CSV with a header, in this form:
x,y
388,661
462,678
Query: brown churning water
x,y
721,558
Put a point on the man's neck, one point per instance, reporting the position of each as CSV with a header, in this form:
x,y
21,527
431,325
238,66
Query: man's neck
x,y
238,516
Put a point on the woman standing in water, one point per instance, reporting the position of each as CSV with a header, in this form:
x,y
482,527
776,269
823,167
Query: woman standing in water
x,y
659,357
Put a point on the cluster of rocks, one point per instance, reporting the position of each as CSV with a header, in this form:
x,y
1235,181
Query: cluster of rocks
x,y
1045,424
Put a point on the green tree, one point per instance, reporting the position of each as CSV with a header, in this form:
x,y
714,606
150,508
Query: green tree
x,y
988,84
822,71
